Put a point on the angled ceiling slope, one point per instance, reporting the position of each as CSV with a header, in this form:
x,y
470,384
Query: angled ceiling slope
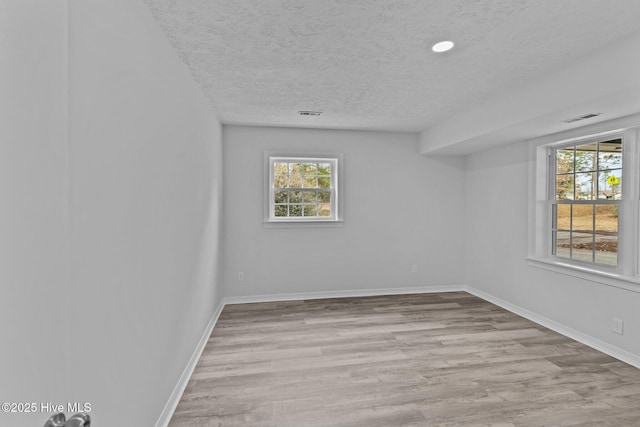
x,y
368,64
602,86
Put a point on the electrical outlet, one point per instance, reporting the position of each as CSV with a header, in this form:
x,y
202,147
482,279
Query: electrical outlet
x,y
617,326
414,268
241,277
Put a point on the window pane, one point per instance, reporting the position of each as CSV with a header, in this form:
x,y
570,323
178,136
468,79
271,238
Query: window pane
x,y
610,184
582,218
281,210
607,219
562,219
295,210
324,169
586,157
324,210
295,181
280,168
310,168
324,182
310,182
280,197
562,243
295,169
582,246
610,155
280,181
564,161
585,186
324,197
309,210
295,197
607,249
309,197
564,187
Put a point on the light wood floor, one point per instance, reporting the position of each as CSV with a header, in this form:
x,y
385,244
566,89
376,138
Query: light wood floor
x,y
447,359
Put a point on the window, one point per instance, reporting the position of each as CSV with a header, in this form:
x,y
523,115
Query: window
x,y
585,202
588,191
303,189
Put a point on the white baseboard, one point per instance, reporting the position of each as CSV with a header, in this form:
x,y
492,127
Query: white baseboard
x,y
342,294
174,399
611,350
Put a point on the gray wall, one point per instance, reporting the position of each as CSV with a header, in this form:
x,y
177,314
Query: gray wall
x,y
401,209
35,312
111,219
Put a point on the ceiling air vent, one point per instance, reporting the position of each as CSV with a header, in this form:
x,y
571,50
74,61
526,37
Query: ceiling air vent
x,y
309,113
577,119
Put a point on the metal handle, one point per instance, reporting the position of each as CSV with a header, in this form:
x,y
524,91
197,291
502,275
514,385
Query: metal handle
x,y
78,420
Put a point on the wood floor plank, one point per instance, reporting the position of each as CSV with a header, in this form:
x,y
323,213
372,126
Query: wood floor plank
x,y
448,359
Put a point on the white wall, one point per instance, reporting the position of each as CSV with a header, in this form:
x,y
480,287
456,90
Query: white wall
x,y
34,267
496,249
401,209
111,210
145,200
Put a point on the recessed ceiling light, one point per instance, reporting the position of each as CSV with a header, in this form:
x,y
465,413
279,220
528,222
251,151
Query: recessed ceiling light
x,y
442,46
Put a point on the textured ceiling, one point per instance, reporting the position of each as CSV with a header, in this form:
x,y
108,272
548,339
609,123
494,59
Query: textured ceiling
x,y
367,64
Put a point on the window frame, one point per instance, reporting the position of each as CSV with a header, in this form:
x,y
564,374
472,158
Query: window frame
x,y
334,219
542,198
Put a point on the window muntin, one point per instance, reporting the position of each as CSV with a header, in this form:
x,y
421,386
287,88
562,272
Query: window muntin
x,y
303,189
587,180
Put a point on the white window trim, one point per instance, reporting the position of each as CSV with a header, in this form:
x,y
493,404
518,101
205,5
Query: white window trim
x,y
626,275
335,220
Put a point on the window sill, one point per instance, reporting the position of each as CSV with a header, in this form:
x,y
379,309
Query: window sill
x,y
629,283
304,224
